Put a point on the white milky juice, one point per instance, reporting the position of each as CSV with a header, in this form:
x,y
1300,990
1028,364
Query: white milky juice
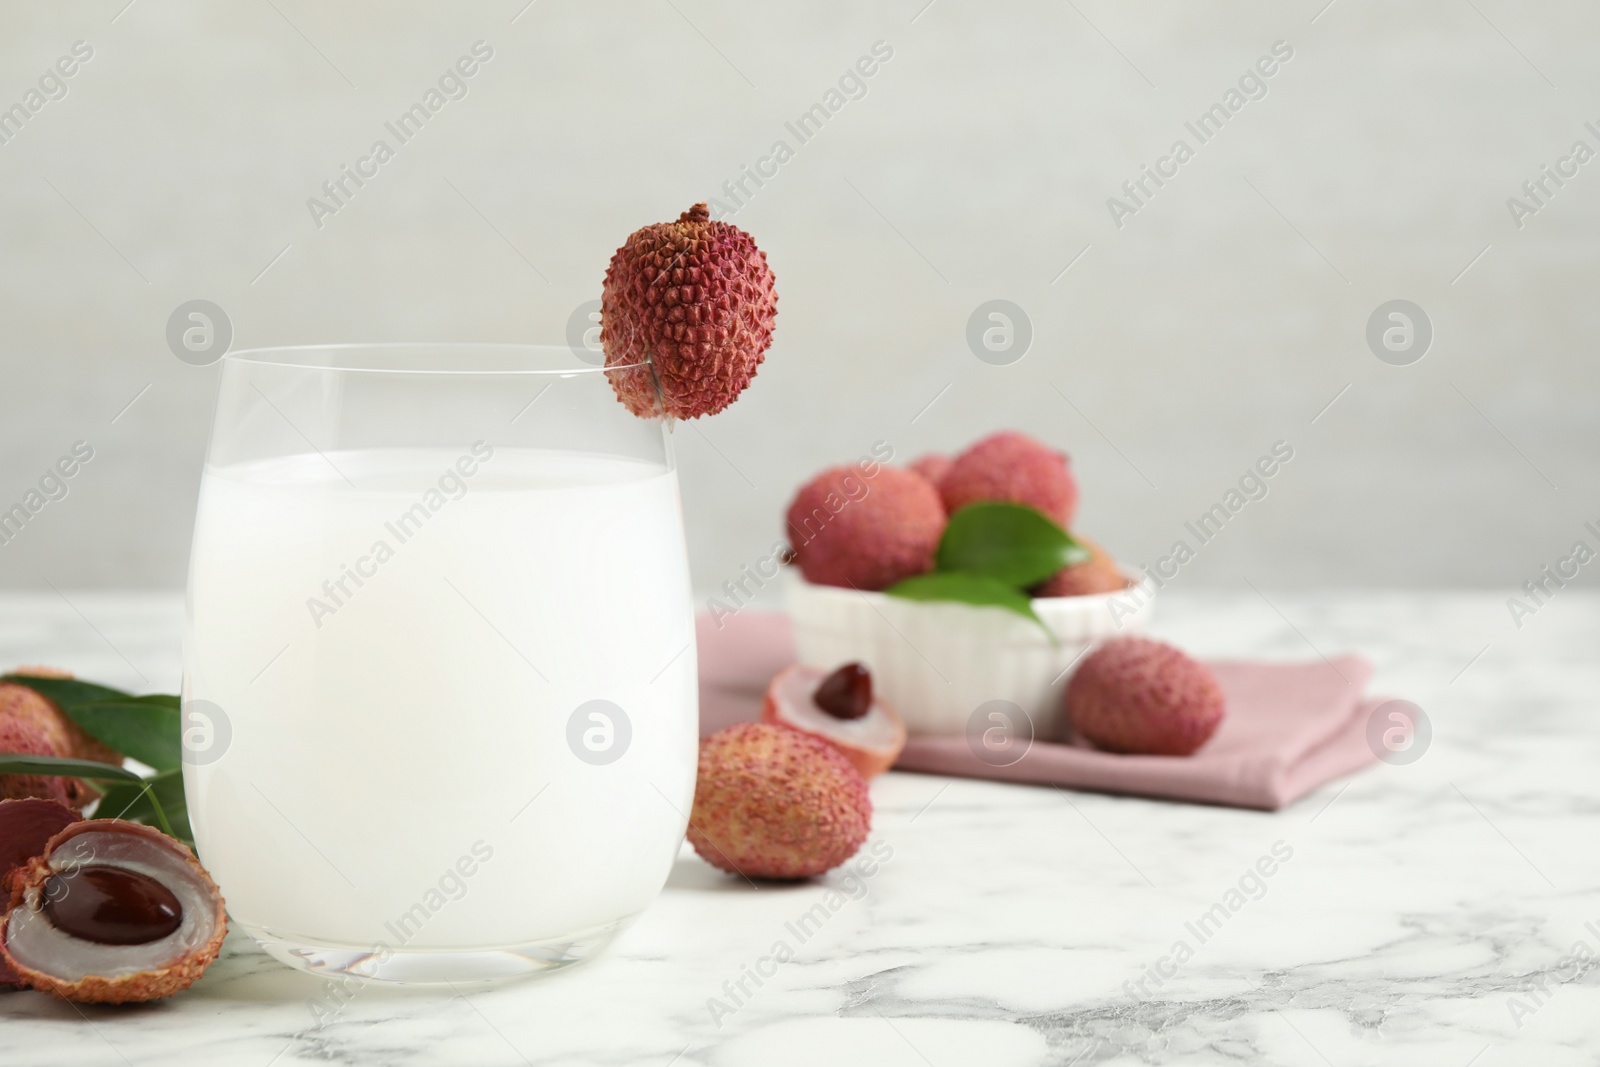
x,y
398,641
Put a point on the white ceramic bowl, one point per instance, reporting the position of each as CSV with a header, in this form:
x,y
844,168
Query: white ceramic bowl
x,y
937,662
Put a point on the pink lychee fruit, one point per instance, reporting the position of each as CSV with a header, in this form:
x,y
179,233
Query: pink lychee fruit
x,y
932,466
67,738
772,802
695,300
866,533
841,709
24,737
1138,696
1012,466
1097,574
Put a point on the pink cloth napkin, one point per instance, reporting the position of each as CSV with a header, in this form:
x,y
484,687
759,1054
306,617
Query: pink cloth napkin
x,y
1290,727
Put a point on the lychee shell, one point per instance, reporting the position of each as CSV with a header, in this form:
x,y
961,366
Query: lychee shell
x,y
26,827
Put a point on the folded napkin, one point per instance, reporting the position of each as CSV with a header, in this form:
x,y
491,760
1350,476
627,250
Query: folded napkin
x,y
1289,728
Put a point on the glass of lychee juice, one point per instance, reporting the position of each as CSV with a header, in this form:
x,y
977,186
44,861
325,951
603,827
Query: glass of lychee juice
x,y
439,695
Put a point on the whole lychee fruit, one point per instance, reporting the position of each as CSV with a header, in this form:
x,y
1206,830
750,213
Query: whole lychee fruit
x,y
1097,574
932,466
849,530
1012,466
696,301
25,737
772,802
67,738
1139,696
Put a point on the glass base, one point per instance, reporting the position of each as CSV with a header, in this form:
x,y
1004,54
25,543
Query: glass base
x,y
438,966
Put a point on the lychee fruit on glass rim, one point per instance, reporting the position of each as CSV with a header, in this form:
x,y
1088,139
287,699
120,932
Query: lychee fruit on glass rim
x,y
695,300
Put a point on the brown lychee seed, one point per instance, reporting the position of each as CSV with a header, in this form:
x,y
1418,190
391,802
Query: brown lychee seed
x,y
686,316
846,693
111,913
26,827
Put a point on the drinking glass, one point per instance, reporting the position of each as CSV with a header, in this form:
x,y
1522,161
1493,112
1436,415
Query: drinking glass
x,y
439,696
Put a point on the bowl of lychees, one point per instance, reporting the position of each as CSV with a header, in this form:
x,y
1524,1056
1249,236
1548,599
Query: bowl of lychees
x,y
956,580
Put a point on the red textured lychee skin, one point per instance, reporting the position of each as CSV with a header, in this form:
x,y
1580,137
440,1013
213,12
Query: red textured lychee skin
x,y
696,300
66,737
26,827
932,466
865,533
1012,466
1138,696
772,802
26,737
1097,574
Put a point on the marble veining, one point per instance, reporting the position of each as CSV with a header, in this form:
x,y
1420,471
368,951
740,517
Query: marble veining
x,y
1446,912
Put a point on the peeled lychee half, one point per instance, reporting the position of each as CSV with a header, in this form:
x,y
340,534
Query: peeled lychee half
x,y
1012,466
865,533
1097,574
932,466
839,708
111,912
696,301
1139,696
772,802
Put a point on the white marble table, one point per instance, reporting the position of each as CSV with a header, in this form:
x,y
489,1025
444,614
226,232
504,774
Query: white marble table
x,y
1420,910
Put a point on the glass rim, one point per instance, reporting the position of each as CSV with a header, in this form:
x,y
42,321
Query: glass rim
x,y
447,358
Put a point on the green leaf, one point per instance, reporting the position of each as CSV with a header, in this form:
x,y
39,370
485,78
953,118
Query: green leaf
x,y
149,733
14,763
124,800
147,728
68,691
1011,543
168,787
147,802
160,700
967,588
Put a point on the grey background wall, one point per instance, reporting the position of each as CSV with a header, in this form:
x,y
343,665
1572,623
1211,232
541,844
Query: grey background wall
x,y
1223,315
